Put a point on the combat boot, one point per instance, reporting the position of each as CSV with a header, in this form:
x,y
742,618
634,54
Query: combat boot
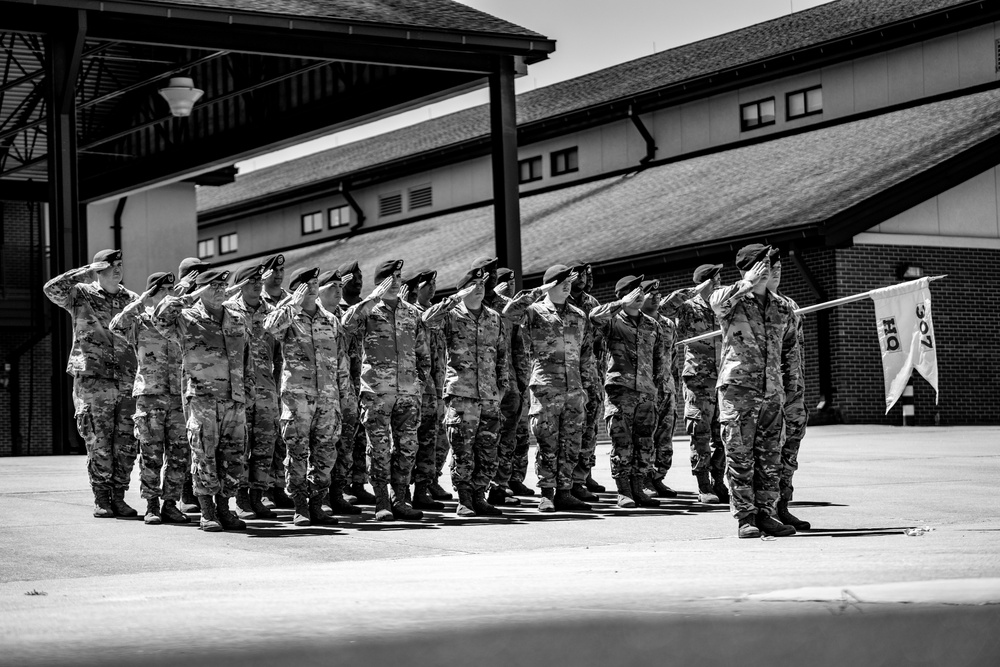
x,y
482,507
566,501
209,519
119,505
438,493
301,515
705,493
593,486
364,498
400,508
170,514
279,498
152,516
255,498
769,526
747,528
639,496
345,493
383,506
466,505
423,500
318,515
719,488
227,518
498,496
339,503
243,509
519,489
189,501
580,492
661,489
102,504
789,519
624,493
547,504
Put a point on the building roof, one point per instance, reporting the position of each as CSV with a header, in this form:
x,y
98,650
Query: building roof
x,y
786,184
808,28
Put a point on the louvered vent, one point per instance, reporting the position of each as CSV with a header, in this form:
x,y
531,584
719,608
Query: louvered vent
x,y
421,197
390,204
998,54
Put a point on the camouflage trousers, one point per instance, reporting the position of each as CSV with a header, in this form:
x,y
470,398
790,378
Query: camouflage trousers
x,y
359,469
588,444
511,407
796,418
103,411
631,416
217,434
310,427
519,462
473,428
701,422
426,466
390,422
343,469
663,435
751,430
557,420
262,434
164,452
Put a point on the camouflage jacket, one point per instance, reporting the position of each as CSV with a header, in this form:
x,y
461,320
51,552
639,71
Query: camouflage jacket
x,y
587,303
477,353
795,376
635,349
395,355
96,352
314,353
693,318
758,340
558,338
215,356
263,345
439,358
272,301
159,370
353,348
668,336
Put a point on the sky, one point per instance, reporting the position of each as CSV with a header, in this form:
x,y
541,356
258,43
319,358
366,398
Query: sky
x,y
590,35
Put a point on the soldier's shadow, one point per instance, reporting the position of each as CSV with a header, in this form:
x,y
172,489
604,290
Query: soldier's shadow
x,y
272,530
853,532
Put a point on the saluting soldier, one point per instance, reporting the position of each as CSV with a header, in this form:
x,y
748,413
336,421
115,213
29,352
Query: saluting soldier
x,y
559,346
666,407
758,339
103,369
475,382
635,376
262,414
164,453
395,366
216,382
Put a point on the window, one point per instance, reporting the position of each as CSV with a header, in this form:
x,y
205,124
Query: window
x,y
390,204
340,216
530,170
565,162
804,102
227,243
206,248
421,197
756,114
312,222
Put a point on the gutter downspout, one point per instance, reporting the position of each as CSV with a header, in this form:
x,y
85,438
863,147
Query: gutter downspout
x,y
822,334
646,136
353,203
116,226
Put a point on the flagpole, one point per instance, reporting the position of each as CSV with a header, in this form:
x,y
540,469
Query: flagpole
x,y
814,308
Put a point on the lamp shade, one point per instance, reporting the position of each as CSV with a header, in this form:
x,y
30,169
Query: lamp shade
x,y
181,95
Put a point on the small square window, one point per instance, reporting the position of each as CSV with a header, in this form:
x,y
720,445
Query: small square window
x,y
804,102
530,169
206,248
227,244
339,216
756,114
565,161
312,223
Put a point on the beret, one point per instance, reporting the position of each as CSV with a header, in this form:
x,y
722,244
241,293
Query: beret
x,y
387,268
212,276
107,256
159,279
254,271
749,255
189,264
557,272
503,275
328,277
348,267
471,275
274,262
418,279
626,285
649,285
706,271
300,276
487,264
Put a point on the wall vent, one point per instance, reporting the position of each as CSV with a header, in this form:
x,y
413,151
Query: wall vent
x,y
390,204
421,197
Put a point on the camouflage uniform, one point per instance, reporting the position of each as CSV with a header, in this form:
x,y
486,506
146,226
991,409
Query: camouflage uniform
x,y
395,367
559,346
635,376
757,342
796,415
594,386
159,415
103,369
217,383
512,401
701,413
315,379
277,473
262,414
666,408
476,379
430,457
357,470
343,468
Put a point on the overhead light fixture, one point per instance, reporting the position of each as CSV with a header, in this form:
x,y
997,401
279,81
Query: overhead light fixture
x,y
909,271
181,96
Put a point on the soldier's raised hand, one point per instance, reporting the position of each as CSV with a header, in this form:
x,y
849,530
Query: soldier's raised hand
x,y
195,295
381,289
404,291
466,291
184,284
634,297
502,289
267,274
757,272
298,297
236,288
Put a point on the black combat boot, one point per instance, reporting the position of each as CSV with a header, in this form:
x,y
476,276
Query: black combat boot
x,y
639,496
498,496
466,505
625,500
119,505
566,501
519,489
364,498
301,515
423,500
227,518
719,487
769,526
170,514
256,500
338,503
580,492
482,507
383,506
152,516
189,502
747,528
661,489
102,504
438,493
787,518
400,508
547,504
593,486
706,494
279,498
318,515
243,508
209,519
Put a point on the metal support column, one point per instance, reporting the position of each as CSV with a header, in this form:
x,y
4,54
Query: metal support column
x,y
503,131
64,50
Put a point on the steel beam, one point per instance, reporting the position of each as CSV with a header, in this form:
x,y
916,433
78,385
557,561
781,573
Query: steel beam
x,y
506,201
